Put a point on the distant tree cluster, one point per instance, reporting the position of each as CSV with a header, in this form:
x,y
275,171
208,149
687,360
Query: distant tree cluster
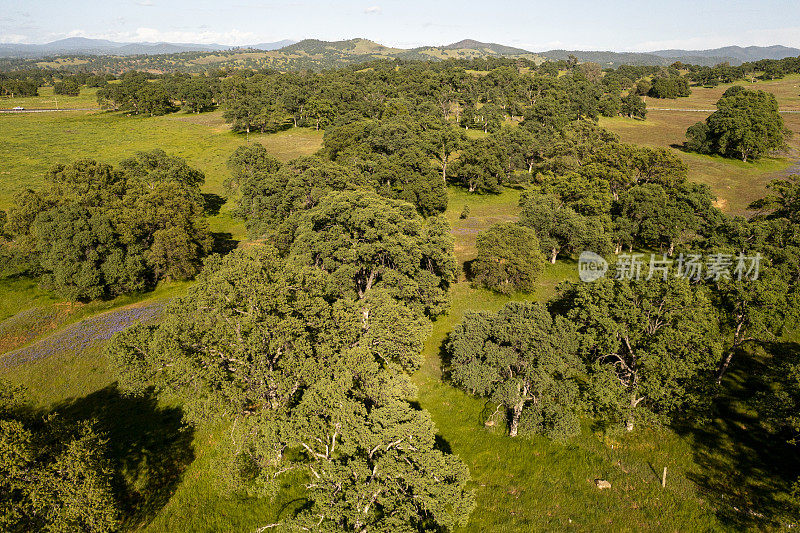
x,y
746,125
99,231
766,69
26,82
267,101
68,87
669,87
136,95
20,83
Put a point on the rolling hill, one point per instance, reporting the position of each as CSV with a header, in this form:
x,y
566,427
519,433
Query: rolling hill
x,y
314,54
738,53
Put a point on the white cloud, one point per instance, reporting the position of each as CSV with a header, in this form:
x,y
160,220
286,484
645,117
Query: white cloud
x,y
231,37
145,3
13,38
373,10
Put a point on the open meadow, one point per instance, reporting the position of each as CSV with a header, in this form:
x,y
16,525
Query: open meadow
x,y
87,99
55,348
735,183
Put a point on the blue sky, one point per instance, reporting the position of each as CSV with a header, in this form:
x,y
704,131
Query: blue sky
x,y
533,25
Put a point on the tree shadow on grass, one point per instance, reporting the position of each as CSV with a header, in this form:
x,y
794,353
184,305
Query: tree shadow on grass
x,y
223,243
467,268
212,203
148,445
744,471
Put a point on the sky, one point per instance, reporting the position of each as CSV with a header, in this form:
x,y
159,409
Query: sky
x,y
618,25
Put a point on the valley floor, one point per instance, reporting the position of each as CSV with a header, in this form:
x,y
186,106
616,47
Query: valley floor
x,y
722,474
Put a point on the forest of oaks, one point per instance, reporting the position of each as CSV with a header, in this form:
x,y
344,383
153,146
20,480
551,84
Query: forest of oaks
x,y
303,340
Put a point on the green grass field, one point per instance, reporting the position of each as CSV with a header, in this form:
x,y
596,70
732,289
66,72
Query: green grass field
x,y
48,100
735,183
33,142
521,484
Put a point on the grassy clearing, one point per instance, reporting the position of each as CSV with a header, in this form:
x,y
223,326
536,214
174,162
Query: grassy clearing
x,y
736,184
48,100
484,210
786,90
33,142
20,294
29,313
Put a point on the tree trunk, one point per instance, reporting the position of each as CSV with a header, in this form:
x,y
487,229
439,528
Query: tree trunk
x,y
724,367
634,384
516,412
729,356
629,423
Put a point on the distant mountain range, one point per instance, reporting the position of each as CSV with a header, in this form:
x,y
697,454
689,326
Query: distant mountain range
x,y
84,46
735,55
316,54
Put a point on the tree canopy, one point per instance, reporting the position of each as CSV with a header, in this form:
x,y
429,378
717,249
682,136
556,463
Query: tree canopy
x,y
54,475
508,258
746,125
525,360
317,385
98,231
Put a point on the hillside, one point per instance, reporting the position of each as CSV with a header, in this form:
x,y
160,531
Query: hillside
x,y
737,54
314,54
